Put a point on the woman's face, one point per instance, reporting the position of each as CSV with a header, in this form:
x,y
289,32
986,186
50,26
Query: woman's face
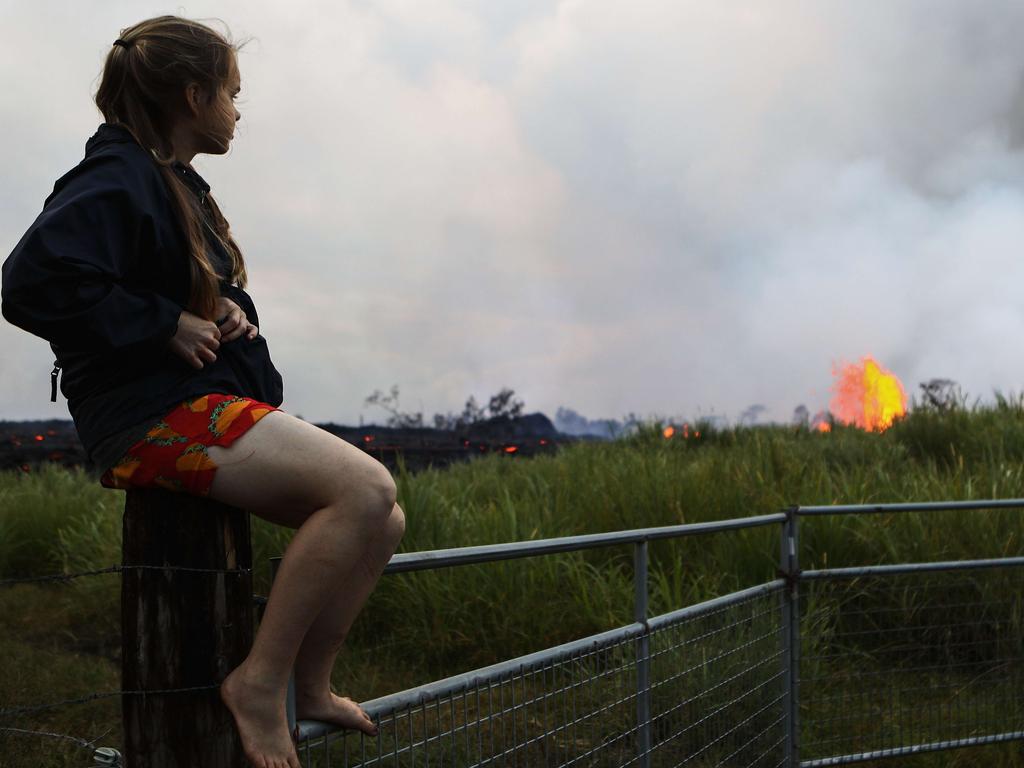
x,y
216,123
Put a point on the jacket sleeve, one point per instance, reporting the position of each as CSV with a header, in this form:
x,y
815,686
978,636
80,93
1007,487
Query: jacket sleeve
x,y
67,279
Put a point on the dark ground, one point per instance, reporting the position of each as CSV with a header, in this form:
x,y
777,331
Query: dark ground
x,y
26,444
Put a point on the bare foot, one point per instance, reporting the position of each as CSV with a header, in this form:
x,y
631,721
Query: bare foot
x,y
261,721
339,710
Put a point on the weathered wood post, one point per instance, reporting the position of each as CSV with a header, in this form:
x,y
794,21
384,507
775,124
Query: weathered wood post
x,y
181,628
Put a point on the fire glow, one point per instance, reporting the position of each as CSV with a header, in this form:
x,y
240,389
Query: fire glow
x,y
866,395
684,432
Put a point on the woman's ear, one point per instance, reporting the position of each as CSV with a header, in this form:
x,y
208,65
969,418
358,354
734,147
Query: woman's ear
x,y
193,98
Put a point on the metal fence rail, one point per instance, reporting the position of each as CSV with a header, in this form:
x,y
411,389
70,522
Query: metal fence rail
x,y
699,684
515,713
816,668
713,698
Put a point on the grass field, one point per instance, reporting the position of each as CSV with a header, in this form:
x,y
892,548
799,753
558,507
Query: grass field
x,y
61,641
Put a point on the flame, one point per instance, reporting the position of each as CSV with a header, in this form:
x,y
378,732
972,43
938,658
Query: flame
x,y
684,431
367,438
823,426
511,449
39,438
867,395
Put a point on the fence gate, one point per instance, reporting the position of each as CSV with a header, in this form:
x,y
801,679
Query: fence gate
x,y
917,657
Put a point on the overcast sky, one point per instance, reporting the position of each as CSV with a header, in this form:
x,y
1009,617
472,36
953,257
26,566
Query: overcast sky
x,y
662,207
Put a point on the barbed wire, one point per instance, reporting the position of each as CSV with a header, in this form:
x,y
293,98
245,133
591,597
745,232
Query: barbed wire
x,y
80,742
77,740
18,711
118,569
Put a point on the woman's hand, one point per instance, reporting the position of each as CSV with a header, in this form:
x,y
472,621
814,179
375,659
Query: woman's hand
x,y
195,340
232,322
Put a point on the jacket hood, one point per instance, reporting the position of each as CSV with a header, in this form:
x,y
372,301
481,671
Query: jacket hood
x,y
108,134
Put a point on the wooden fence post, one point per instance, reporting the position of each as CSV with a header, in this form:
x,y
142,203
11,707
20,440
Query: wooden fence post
x,y
181,629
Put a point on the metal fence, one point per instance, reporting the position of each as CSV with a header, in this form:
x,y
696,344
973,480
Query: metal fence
x,y
815,668
909,658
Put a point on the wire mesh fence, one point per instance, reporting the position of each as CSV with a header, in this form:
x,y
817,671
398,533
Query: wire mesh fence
x,y
894,663
575,710
816,668
718,683
714,698
83,706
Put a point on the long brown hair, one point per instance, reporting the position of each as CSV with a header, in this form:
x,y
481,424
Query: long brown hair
x,y
140,89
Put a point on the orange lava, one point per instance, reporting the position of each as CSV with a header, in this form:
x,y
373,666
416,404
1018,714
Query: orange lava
x,y
866,395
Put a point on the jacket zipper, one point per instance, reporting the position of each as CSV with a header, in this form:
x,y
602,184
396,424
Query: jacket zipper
x,y
53,382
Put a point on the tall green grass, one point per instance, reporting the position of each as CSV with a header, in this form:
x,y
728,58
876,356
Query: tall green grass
x,y
422,625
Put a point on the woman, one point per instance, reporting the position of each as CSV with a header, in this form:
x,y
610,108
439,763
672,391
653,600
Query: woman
x,y
132,274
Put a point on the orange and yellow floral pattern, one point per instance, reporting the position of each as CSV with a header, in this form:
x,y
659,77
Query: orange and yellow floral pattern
x,y
173,453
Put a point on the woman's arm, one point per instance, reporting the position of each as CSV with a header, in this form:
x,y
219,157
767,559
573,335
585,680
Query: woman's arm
x,y
65,279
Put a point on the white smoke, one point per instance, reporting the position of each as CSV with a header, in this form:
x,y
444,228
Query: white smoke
x,y
660,207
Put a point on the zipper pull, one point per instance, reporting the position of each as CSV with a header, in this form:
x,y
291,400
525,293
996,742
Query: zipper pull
x,y
53,382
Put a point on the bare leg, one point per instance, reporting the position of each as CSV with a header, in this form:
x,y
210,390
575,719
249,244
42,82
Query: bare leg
x,y
315,661
338,498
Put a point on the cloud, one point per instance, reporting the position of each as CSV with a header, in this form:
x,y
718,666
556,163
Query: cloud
x,y
662,207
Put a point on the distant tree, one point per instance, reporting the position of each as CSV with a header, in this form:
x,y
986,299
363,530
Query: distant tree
x,y
801,416
390,404
502,404
941,394
629,424
750,416
472,413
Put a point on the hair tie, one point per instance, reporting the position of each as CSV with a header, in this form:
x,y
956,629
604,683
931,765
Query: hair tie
x,y
123,43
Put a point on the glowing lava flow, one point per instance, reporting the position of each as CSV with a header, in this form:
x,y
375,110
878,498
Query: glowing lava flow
x,y
868,396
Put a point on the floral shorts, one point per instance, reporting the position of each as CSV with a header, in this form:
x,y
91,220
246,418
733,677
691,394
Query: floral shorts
x,y
173,453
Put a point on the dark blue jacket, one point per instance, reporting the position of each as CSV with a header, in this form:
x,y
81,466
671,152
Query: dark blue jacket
x,y
102,274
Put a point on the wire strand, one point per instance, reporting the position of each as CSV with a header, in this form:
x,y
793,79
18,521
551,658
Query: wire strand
x,y
18,711
118,569
80,742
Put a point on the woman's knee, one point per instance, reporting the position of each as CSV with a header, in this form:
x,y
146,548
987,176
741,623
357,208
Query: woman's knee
x,y
374,493
384,488
396,524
